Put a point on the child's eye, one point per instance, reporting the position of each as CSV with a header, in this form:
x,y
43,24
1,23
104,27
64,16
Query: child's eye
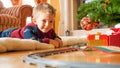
x,y
44,20
51,21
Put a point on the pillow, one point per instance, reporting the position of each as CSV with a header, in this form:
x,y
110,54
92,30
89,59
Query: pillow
x,y
15,44
73,40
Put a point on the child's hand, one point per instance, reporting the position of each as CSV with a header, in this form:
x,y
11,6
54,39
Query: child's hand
x,y
59,41
55,43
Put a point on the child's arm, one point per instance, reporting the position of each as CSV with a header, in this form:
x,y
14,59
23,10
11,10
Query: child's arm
x,y
29,33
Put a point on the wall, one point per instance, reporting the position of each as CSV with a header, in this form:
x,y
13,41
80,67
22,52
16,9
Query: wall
x,y
65,16
55,4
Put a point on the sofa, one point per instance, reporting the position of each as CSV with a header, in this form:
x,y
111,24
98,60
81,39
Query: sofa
x,y
14,16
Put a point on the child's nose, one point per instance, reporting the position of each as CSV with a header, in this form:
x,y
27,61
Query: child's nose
x,y
47,24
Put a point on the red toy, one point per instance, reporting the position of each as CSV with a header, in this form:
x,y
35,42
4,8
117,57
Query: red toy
x,y
87,24
97,40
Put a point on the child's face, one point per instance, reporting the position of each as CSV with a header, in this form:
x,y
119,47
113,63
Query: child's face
x,y
45,21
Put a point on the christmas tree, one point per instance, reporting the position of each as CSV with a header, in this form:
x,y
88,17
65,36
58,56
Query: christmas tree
x,y
105,11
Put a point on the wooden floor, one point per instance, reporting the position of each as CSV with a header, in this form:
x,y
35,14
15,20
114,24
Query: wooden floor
x,y
15,59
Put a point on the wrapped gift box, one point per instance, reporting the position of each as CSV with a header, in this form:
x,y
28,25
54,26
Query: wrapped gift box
x,y
114,40
97,40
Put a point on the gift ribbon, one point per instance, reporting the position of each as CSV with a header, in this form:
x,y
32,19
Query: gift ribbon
x,y
97,37
116,31
102,49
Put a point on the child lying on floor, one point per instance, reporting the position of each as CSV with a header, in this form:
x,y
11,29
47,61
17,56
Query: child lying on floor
x,y
41,28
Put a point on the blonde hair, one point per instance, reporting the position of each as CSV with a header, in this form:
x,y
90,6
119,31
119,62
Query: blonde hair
x,y
44,7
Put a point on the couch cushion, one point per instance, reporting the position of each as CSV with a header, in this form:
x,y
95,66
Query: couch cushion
x,y
7,21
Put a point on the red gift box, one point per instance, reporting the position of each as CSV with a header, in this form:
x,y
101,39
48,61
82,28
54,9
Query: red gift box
x,y
97,40
114,39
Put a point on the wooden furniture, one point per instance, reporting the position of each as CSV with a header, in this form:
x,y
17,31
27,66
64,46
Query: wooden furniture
x,y
15,59
14,16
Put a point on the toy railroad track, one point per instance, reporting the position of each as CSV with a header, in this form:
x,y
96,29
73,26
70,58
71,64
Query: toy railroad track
x,y
40,60
53,52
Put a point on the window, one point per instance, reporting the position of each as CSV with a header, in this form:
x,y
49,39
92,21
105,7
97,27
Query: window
x,y
7,3
29,2
68,9
79,2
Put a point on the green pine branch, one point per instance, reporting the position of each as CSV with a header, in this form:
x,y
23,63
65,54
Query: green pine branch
x,y
105,11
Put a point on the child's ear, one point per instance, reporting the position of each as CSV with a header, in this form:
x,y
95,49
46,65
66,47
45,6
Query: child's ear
x,y
34,21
